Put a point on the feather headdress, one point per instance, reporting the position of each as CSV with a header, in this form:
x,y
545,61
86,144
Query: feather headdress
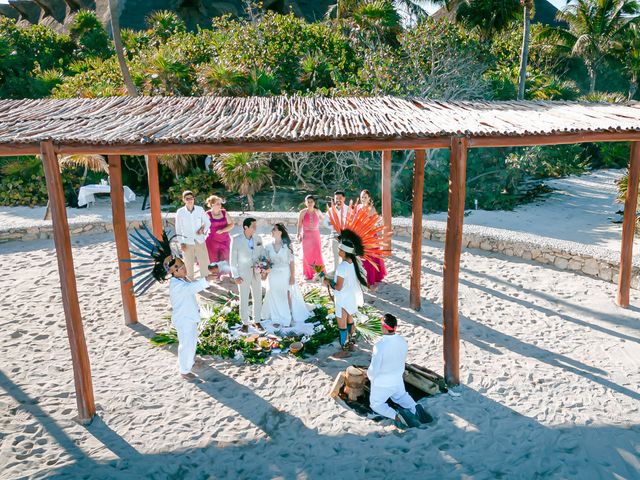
x,y
363,229
150,265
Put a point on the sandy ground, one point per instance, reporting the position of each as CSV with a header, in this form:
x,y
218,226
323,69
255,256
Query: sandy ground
x,y
581,209
550,372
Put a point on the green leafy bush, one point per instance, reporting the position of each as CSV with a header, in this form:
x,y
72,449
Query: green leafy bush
x,y
201,182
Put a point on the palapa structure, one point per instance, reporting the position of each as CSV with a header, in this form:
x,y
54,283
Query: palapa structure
x,y
173,125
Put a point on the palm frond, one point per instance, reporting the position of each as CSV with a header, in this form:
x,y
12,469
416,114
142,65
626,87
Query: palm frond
x,y
369,326
95,163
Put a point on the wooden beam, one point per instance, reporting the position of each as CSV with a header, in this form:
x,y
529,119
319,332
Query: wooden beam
x,y
122,241
11,149
73,317
629,227
386,194
555,139
452,251
416,230
154,195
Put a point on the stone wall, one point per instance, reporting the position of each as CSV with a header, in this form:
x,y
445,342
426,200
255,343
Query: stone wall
x,y
590,260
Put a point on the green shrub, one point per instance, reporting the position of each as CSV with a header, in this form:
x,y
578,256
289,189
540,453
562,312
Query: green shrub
x,y
201,183
18,191
550,161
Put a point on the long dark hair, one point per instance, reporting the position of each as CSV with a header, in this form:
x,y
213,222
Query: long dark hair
x,y
286,239
351,256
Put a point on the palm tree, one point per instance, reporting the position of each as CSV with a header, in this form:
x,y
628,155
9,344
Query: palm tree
x,y
528,6
178,164
373,18
117,41
628,51
488,16
245,173
595,27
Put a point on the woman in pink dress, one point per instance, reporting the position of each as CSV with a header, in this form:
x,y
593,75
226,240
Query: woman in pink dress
x,y
309,232
218,242
376,270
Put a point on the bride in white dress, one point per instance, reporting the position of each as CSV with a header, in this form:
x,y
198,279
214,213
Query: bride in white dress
x,y
283,302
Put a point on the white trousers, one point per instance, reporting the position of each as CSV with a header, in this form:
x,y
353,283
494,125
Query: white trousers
x,y
380,395
187,343
250,285
199,252
336,255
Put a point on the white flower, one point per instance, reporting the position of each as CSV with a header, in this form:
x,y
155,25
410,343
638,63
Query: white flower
x,y
305,338
331,316
226,310
318,328
206,311
234,303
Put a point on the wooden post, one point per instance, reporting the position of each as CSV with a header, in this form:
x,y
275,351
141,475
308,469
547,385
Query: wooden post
x,y
628,227
154,195
452,250
386,193
73,317
122,241
416,230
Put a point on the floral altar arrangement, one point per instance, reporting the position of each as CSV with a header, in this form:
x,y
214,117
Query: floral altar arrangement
x,y
219,331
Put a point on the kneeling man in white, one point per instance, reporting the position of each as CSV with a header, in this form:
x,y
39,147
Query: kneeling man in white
x,y
385,373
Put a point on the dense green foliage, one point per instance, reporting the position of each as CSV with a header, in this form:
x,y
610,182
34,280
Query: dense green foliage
x,y
363,48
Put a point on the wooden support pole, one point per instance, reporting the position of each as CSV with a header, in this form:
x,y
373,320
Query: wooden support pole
x,y
629,227
386,194
452,251
73,317
416,230
122,241
154,195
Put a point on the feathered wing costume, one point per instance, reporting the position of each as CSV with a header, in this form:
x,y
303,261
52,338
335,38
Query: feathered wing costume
x,y
154,259
364,230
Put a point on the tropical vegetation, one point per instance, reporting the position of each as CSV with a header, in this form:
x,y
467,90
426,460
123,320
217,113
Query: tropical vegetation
x,y
482,50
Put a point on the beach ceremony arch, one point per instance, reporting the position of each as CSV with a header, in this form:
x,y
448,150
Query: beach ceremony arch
x,y
210,125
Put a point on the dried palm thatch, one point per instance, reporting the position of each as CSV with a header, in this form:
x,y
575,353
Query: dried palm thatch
x,y
95,163
212,120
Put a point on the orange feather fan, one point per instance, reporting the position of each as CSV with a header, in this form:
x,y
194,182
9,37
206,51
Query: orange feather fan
x,y
365,230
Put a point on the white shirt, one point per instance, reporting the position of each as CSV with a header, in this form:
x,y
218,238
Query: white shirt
x,y
185,308
388,360
188,223
343,217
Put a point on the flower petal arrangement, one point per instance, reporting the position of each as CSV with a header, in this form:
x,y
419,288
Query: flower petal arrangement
x,y
218,333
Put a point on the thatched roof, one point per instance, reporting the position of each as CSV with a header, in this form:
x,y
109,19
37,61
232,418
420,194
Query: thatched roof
x,y
220,120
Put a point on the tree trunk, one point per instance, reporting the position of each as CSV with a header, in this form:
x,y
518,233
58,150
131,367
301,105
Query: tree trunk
x,y
524,54
117,41
250,202
592,79
633,87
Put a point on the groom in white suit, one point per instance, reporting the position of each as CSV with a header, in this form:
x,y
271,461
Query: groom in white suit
x,y
246,250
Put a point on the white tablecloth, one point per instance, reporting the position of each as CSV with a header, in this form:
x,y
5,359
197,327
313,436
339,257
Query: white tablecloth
x,y
85,195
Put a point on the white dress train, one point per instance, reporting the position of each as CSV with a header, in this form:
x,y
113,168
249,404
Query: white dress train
x,y
276,301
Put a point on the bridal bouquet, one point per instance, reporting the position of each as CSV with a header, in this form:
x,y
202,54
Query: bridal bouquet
x,y
263,265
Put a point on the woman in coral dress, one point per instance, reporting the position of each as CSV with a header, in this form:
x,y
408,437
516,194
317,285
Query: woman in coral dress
x,y
376,270
309,232
218,242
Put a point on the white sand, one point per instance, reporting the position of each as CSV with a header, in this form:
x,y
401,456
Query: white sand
x,y
550,371
580,209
